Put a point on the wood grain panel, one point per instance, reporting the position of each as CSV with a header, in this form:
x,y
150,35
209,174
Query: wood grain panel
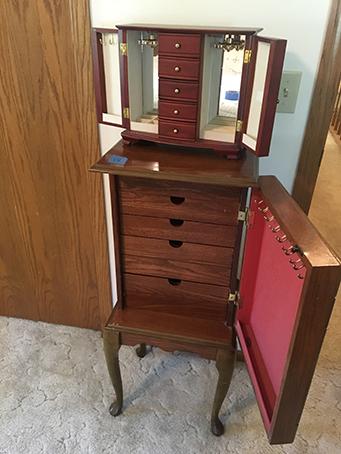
x,y
53,264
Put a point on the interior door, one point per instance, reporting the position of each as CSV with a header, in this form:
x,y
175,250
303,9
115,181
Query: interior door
x,y
264,77
107,61
289,281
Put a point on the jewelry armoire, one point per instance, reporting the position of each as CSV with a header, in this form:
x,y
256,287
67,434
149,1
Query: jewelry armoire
x,y
208,254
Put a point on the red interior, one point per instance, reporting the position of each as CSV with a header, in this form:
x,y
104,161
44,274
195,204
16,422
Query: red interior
x,y
270,292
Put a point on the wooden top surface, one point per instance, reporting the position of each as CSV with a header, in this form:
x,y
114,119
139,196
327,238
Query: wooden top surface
x,y
179,164
192,28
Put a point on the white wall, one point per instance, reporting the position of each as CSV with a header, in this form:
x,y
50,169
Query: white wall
x,y
301,22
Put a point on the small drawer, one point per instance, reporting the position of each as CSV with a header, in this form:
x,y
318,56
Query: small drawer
x,y
178,200
179,229
178,111
177,270
179,69
177,130
179,44
176,250
178,90
175,296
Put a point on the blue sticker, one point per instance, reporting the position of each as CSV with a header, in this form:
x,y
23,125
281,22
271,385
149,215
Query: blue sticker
x,y
118,160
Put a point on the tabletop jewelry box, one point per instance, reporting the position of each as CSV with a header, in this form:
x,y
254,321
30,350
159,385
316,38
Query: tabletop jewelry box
x,y
207,252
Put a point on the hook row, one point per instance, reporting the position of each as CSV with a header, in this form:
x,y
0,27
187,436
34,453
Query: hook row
x,y
281,237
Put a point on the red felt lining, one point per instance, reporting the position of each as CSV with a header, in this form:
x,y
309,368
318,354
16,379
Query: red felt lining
x,y
270,293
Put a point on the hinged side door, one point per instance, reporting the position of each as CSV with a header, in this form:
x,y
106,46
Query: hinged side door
x,y
266,59
108,54
288,284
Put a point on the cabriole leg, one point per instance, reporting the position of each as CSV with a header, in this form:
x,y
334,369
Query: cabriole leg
x,y
225,361
141,350
111,341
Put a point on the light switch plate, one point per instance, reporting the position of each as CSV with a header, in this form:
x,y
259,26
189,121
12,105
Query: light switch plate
x,y
288,91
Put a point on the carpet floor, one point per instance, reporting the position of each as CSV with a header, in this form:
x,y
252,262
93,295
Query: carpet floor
x,y
55,390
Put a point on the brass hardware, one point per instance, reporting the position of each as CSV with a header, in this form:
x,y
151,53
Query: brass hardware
x,y
239,126
150,41
177,45
247,56
242,215
281,239
175,112
123,49
269,219
177,69
175,131
176,90
288,251
233,297
276,229
126,113
230,42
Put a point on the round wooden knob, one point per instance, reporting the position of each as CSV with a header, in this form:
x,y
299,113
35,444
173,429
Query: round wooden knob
x,y
175,112
177,69
177,45
175,131
177,90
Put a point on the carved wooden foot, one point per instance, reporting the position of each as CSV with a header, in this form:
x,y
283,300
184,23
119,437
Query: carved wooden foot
x,y
111,341
225,364
141,351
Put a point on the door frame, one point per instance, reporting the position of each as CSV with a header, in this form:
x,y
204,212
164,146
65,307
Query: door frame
x,y
321,111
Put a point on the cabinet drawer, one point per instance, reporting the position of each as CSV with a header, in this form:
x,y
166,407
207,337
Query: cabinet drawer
x,y
173,269
178,229
179,44
176,250
177,130
175,296
178,111
179,69
172,199
178,90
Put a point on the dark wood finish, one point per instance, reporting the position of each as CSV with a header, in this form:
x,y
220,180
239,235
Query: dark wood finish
x,y
192,28
99,77
176,250
321,109
175,297
217,205
175,163
141,350
270,95
54,263
112,344
176,68
179,44
177,130
179,229
178,90
175,269
177,111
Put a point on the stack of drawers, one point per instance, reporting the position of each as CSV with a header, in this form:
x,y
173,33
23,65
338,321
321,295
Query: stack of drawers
x,y
177,248
179,74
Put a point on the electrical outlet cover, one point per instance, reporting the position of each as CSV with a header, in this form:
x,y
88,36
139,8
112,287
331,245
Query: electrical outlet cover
x,y
288,91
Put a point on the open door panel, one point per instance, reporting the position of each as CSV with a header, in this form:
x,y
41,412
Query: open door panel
x,y
289,281
107,69
264,77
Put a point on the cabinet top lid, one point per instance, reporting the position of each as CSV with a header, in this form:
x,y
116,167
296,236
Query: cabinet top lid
x,y
192,28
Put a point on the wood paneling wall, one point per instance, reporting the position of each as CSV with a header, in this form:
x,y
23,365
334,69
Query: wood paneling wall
x,y
53,248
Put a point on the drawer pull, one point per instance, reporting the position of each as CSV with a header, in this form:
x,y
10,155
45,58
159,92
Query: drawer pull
x,y
174,281
175,130
176,112
177,90
176,222
177,69
175,243
177,45
177,200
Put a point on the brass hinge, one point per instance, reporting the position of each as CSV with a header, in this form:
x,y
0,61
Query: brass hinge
x,y
239,126
233,297
242,215
247,56
123,48
126,113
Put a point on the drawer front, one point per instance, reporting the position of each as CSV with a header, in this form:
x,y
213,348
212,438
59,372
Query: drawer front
x,y
177,250
179,69
179,44
175,296
178,229
178,90
178,111
177,130
173,269
177,200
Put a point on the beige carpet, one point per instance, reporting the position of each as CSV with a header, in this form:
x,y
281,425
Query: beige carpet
x,y
55,391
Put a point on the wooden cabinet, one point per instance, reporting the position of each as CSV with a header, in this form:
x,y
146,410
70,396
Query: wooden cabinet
x,y
187,281
211,88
